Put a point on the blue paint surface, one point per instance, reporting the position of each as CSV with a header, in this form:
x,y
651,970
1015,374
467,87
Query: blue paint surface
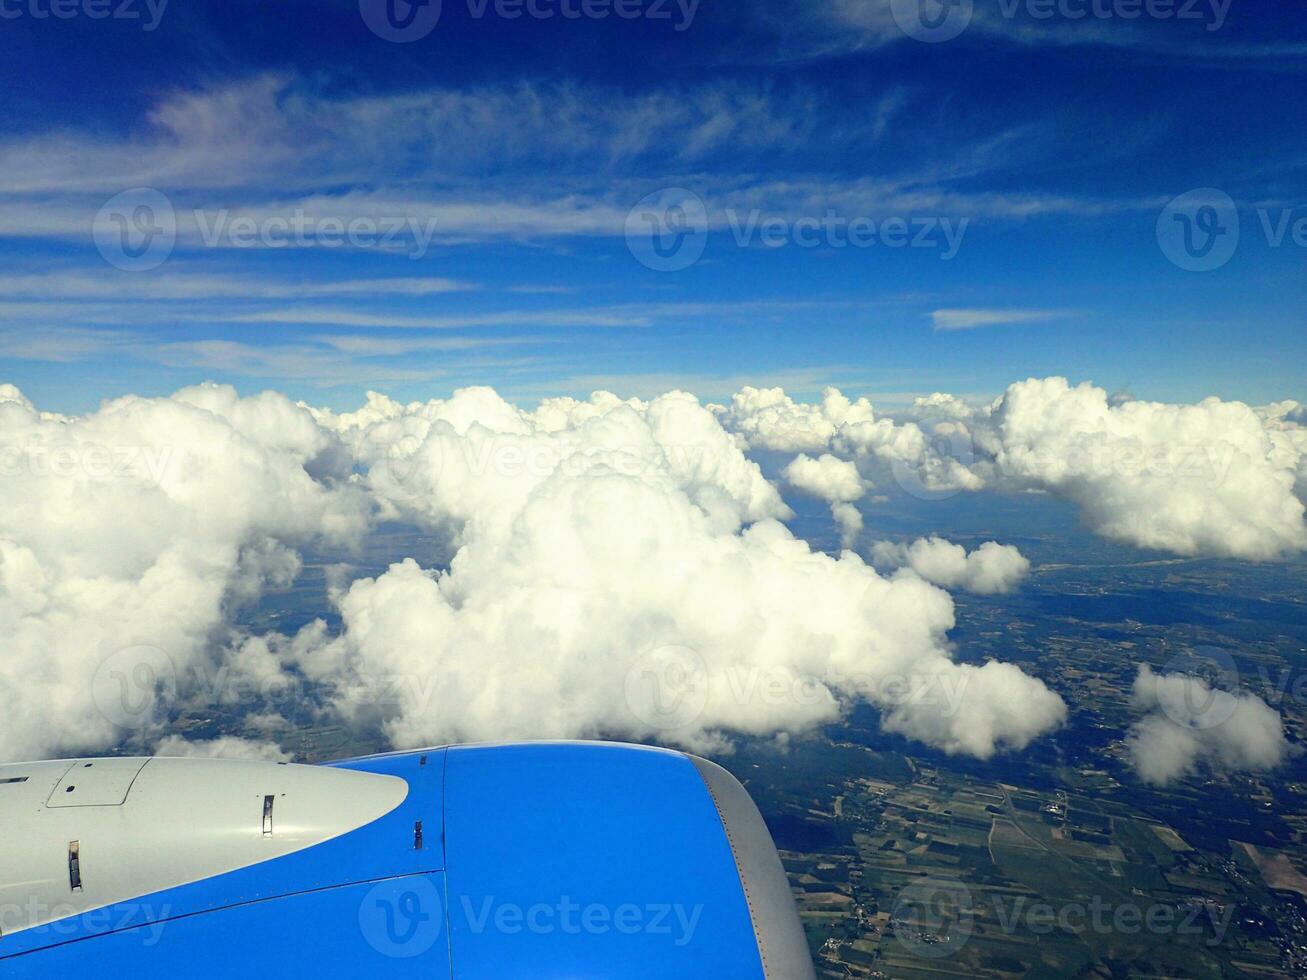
x,y
393,929
589,861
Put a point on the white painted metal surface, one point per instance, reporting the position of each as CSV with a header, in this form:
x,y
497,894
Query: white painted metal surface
x,y
99,782
144,825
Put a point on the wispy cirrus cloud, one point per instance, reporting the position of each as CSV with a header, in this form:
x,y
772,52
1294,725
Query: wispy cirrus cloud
x,y
1181,32
167,284
970,319
504,318
279,131
452,166
323,361
614,315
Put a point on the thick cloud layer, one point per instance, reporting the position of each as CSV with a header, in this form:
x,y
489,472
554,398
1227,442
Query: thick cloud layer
x,y
1213,478
1189,723
621,571
126,538
616,567
990,569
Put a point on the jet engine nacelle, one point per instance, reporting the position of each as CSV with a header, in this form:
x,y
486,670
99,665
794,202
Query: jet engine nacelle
x,y
536,860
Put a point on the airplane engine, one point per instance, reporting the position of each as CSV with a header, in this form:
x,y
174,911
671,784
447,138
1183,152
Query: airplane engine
x,y
539,860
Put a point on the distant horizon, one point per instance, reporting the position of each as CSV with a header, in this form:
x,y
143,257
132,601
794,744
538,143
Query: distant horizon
x,y
346,398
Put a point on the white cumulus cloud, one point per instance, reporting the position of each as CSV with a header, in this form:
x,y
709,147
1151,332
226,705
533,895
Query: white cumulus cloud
x,y
129,534
614,558
915,456
1211,478
611,566
990,569
224,747
1189,723
767,418
835,481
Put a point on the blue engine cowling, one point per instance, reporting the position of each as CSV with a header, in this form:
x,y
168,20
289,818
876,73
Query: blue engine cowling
x,y
539,860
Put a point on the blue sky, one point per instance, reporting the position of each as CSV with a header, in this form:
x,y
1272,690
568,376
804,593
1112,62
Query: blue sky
x,y
500,174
